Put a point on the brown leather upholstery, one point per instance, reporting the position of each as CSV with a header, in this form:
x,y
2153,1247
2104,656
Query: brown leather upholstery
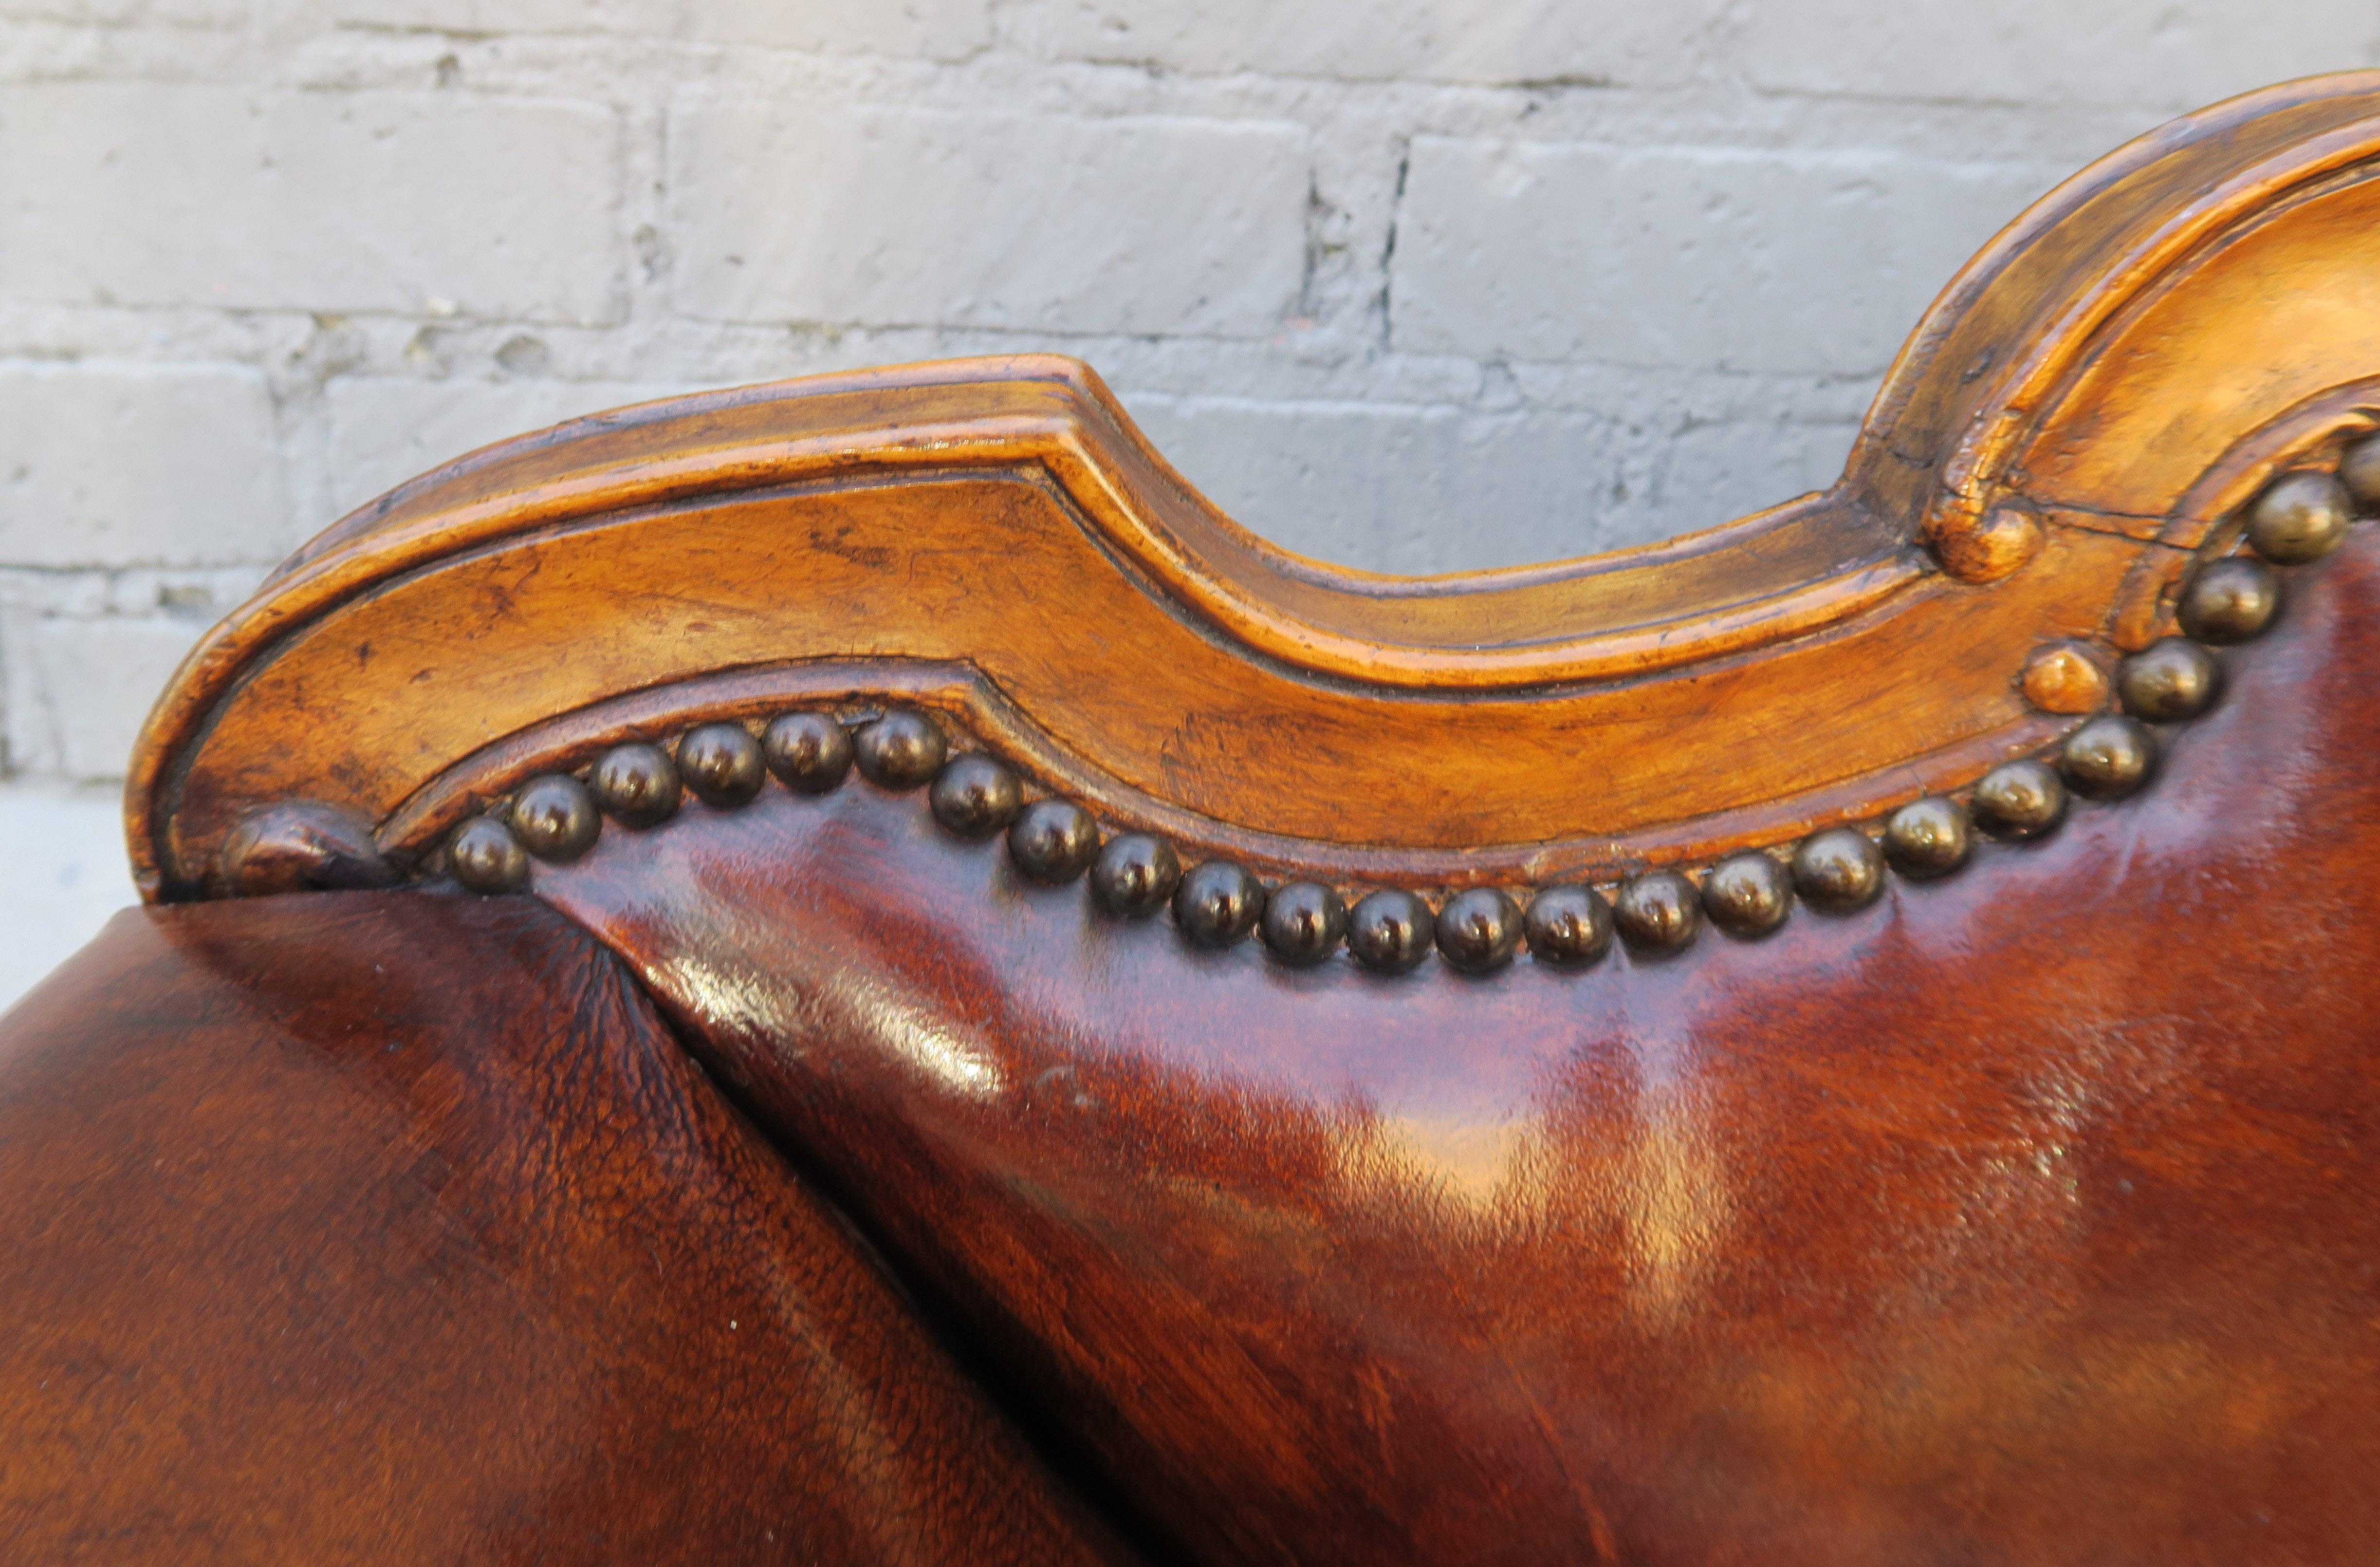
x,y
384,1227
2021,1218
2025,1218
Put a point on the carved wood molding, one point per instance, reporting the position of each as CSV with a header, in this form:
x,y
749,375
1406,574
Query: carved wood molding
x,y
2082,417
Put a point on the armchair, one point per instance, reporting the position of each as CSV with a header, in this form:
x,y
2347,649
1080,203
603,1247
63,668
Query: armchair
x,y
847,971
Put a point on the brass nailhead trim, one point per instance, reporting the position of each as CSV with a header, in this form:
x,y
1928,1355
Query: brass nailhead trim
x,y
2298,518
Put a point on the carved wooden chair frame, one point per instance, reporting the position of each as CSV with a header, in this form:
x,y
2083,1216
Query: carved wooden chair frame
x,y
1838,1037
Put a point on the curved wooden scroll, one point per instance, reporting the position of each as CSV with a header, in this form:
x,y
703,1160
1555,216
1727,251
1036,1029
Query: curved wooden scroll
x,y
2019,1216
2103,385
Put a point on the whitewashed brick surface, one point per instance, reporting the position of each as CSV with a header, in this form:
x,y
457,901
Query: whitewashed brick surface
x,y
220,197
933,30
80,686
1391,485
125,13
385,430
1705,258
116,464
851,215
1546,43
1418,285
2175,55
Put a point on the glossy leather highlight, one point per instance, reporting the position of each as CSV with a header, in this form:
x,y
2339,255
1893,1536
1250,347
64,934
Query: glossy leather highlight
x,y
383,1228
2022,1218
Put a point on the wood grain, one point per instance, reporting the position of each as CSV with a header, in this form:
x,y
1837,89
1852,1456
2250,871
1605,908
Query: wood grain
x,y
2022,1218
2199,295
2019,1217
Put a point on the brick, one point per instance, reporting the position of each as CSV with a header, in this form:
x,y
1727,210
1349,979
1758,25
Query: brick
x,y
1454,40
942,29
156,194
127,465
385,430
129,13
80,688
1696,258
1418,491
813,212
2169,54
1686,327
497,16
939,30
67,875
1714,473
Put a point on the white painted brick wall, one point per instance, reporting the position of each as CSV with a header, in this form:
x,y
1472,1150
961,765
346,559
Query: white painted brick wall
x,y
1706,259
1420,285
931,29
221,198
113,464
2171,55
80,686
849,215
385,430
1644,43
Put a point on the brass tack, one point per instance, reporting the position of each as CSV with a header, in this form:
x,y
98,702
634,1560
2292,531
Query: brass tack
x,y
486,858
1839,871
1390,932
810,752
2169,680
1568,927
1135,875
2229,601
722,763
1053,841
1748,895
556,818
2063,678
2301,517
301,845
2107,758
1304,923
2359,469
1480,930
1660,911
1218,904
637,784
2020,800
975,795
900,750
1929,837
